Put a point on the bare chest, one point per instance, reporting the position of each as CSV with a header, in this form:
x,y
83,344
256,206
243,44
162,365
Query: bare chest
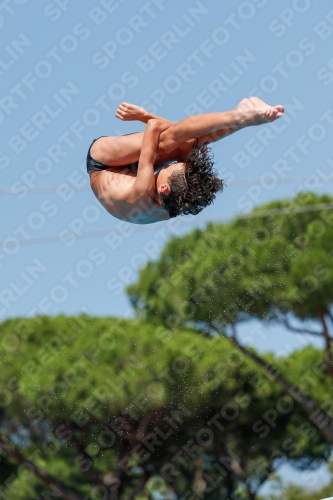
x,y
114,187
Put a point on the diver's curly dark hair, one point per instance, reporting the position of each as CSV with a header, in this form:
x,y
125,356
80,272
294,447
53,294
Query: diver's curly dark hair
x,y
196,190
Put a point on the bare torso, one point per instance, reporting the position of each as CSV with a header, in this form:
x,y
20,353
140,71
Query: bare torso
x,y
113,187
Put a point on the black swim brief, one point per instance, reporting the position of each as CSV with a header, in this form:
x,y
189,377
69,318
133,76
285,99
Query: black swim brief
x,y
96,165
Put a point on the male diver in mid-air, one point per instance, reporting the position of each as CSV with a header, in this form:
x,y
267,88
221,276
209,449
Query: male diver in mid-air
x,y
166,170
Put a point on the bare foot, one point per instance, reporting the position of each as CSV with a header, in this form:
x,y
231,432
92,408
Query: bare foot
x,y
129,112
254,111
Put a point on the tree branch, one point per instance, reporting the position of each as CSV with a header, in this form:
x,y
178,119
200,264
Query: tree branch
x,y
139,487
302,330
330,314
312,409
317,416
252,496
54,484
328,352
294,329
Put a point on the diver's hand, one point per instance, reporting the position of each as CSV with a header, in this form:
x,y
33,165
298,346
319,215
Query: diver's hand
x,y
130,112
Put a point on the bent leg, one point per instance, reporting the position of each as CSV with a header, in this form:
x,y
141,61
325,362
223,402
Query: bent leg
x,y
249,112
117,151
199,126
132,112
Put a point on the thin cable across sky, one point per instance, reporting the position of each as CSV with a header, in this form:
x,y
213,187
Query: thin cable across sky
x,y
148,228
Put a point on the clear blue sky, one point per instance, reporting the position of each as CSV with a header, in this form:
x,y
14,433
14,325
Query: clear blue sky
x,y
64,68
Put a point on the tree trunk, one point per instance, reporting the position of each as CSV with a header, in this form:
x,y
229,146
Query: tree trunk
x,y
252,496
199,485
54,484
137,489
317,416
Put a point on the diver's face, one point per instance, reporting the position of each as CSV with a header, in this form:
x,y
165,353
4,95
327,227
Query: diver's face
x,y
162,177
